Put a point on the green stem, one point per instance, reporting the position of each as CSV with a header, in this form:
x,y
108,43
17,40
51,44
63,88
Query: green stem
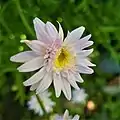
x,y
23,18
41,104
2,22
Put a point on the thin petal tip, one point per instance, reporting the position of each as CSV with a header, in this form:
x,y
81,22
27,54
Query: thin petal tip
x,y
12,58
82,81
77,88
24,41
90,35
57,95
69,98
92,71
35,19
25,84
20,69
91,50
82,27
93,65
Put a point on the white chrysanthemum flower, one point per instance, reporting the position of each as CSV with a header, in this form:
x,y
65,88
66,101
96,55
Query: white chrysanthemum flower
x,y
66,116
48,104
79,96
58,61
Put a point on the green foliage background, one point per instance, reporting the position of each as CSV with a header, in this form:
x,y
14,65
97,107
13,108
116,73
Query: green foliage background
x,y
100,17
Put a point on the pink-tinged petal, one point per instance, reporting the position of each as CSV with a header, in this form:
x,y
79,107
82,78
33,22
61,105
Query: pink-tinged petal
x,y
57,84
87,44
61,34
84,53
72,81
86,38
84,69
57,43
66,89
51,30
44,83
23,56
84,62
74,35
76,117
37,46
77,33
40,31
39,26
40,43
31,65
35,78
39,22
83,43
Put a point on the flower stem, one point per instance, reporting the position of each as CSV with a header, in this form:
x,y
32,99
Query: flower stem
x,y
41,103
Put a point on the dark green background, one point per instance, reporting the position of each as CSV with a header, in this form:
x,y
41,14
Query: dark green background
x,y
100,17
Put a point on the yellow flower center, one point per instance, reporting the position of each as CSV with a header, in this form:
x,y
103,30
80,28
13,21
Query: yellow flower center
x,y
63,59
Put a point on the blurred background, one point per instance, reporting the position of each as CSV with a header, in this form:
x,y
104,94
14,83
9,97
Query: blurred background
x,y
100,17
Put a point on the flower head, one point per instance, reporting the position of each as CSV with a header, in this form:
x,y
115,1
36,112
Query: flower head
x,y
79,96
33,104
66,116
58,61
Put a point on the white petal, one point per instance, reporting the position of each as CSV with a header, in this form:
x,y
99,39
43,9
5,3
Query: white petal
x,y
23,56
31,65
84,53
45,83
84,62
34,86
76,117
40,30
64,73
86,38
35,78
72,81
87,44
75,35
57,84
51,30
66,89
66,115
68,33
84,69
39,26
37,46
78,77
61,34
83,43
80,45
39,22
